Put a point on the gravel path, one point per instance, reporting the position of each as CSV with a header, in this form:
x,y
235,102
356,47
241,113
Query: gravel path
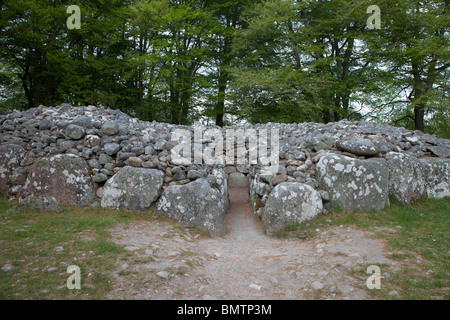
x,y
244,264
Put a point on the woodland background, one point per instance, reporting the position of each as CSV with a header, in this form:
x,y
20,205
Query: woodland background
x,y
228,62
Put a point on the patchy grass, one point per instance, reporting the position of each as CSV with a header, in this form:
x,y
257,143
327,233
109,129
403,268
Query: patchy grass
x,y
421,243
29,242
418,237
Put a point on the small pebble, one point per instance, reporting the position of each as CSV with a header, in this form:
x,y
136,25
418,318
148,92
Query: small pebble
x,y
7,267
255,286
316,285
393,294
163,274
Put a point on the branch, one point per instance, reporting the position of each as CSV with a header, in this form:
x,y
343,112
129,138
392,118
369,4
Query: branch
x,y
403,118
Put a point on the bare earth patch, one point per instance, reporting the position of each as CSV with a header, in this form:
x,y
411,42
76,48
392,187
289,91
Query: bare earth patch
x,y
170,262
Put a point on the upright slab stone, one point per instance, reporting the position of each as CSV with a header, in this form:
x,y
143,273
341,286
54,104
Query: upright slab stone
x,y
290,203
132,188
196,204
437,177
63,177
406,177
354,184
10,157
221,185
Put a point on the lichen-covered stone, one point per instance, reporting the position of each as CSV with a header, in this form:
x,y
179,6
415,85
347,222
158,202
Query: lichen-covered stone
x,y
406,177
290,203
64,177
221,184
132,188
437,177
10,157
75,132
112,148
109,140
238,180
92,141
43,204
354,184
196,204
110,128
358,146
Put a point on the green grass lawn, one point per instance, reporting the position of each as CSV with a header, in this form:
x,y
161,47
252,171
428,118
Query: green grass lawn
x,y
29,241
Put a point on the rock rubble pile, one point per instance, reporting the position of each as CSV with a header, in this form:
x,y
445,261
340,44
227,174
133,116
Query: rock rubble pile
x,y
63,155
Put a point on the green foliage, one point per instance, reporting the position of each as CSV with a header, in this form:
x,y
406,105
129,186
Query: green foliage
x,y
224,61
410,58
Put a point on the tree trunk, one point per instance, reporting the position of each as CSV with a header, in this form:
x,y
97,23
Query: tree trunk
x,y
419,109
220,109
174,110
419,115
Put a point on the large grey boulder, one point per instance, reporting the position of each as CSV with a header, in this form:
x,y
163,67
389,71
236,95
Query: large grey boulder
x,y
237,180
358,146
406,177
290,203
63,177
437,177
132,188
10,157
196,204
354,184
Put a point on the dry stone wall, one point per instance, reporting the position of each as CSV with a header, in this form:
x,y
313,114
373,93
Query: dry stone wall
x,y
55,156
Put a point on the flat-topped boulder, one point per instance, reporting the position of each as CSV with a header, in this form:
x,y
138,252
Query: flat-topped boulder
x,y
358,146
354,184
132,188
65,178
197,204
290,203
406,177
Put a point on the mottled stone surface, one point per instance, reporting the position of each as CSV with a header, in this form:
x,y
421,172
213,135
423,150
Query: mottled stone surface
x,y
109,140
42,204
63,177
437,177
290,203
406,177
358,146
238,180
10,157
132,188
74,132
196,204
354,184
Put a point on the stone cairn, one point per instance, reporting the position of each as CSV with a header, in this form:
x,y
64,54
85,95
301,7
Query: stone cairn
x,y
78,156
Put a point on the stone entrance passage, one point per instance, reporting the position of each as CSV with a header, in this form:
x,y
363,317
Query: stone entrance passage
x,y
241,222
99,157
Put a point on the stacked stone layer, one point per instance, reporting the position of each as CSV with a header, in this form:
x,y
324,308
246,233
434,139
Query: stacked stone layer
x,y
53,156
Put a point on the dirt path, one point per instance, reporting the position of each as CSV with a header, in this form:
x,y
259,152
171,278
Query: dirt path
x,y
244,264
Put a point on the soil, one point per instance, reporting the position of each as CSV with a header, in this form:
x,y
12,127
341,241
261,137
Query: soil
x,y
244,264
